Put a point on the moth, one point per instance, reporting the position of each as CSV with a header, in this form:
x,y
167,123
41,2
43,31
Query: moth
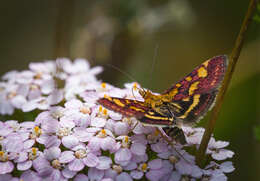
x,y
184,103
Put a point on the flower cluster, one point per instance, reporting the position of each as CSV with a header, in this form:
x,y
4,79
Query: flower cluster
x,y
75,138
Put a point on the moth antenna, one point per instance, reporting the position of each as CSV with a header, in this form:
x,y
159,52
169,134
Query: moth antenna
x,y
154,61
133,92
121,71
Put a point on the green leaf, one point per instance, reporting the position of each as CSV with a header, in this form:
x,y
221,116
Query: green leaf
x,y
257,132
256,18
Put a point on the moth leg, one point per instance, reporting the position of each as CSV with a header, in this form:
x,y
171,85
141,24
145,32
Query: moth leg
x,y
171,114
171,143
175,133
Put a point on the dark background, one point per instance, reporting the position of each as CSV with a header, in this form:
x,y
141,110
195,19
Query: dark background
x,y
178,34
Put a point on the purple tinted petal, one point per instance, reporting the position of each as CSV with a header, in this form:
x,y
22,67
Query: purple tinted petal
x,y
110,173
18,101
28,144
222,154
123,177
22,157
95,174
121,128
139,158
66,156
55,97
70,141
52,141
107,179
159,147
108,143
24,165
52,153
136,174
55,175
50,125
68,173
94,144
42,166
183,167
196,172
6,167
155,164
154,175
13,144
167,167
76,165
83,135
98,122
227,167
139,139
30,175
176,176
123,155
138,148
130,166
91,160
104,163
81,177
5,177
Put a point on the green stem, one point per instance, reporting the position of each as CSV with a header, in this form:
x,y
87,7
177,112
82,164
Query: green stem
x,y
232,63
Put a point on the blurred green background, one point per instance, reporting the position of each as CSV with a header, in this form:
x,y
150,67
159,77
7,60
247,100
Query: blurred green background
x,y
126,33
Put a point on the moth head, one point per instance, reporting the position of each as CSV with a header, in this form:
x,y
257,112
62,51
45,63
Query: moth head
x,y
145,93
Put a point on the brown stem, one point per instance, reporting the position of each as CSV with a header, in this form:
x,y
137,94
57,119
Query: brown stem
x,y
62,44
232,63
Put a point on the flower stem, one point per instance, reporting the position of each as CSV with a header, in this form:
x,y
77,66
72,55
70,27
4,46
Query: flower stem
x,y
63,25
232,63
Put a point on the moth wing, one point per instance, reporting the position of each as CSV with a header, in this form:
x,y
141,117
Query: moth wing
x,y
193,109
127,107
205,78
133,108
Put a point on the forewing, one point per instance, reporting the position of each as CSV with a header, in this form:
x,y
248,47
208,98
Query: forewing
x,y
193,109
205,78
154,118
133,108
127,107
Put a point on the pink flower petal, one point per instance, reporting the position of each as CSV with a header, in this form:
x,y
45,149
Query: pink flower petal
x,y
138,148
81,177
155,164
76,165
6,167
123,177
70,141
24,165
66,156
95,174
91,160
104,163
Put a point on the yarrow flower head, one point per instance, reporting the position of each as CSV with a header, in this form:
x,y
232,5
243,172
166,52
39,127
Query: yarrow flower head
x,y
71,137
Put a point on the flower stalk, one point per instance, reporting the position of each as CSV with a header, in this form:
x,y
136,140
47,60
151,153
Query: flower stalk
x,y
233,58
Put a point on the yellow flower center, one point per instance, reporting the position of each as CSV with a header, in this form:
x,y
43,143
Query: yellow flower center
x,y
117,168
38,75
3,156
135,86
84,110
144,167
33,153
81,153
102,134
103,85
56,164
